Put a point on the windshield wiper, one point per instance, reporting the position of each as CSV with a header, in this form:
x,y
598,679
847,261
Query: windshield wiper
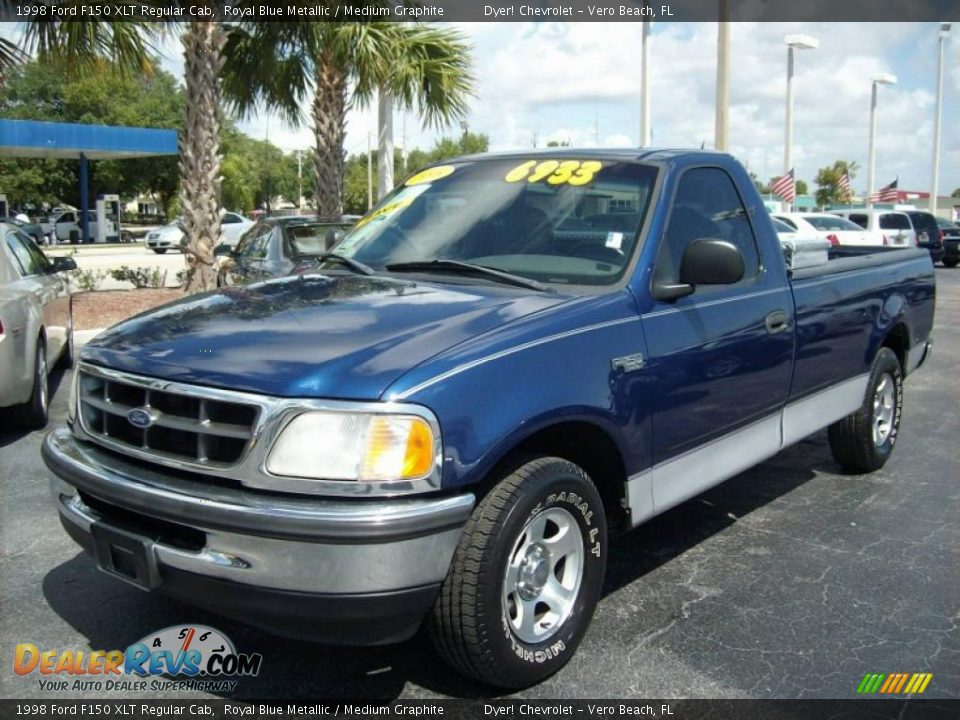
x,y
355,265
460,267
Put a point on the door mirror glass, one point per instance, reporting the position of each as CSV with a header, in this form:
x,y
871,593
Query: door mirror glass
x,y
64,264
709,261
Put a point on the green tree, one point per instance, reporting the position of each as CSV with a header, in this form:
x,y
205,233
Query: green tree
x,y
448,147
430,74
800,187
558,143
828,181
955,193
278,64
42,91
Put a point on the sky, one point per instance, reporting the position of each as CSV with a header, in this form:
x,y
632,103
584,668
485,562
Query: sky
x,y
580,82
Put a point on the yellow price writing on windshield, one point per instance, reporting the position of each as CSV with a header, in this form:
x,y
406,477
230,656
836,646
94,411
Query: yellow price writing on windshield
x,y
431,174
555,172
385,210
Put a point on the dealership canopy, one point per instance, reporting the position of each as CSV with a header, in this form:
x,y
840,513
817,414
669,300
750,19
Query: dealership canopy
x,y
35,139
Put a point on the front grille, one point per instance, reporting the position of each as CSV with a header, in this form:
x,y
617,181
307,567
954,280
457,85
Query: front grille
x,y
191,428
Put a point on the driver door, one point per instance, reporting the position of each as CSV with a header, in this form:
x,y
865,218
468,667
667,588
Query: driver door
x,y
720,358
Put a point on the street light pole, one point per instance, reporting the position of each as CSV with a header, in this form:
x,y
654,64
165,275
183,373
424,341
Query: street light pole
x,y
882,79
721,134
645,85
802,42
935,179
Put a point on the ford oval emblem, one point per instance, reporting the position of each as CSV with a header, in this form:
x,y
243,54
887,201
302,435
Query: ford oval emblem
x,y
140,417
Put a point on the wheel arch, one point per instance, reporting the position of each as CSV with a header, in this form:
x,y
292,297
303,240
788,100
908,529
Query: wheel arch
x,y
584,442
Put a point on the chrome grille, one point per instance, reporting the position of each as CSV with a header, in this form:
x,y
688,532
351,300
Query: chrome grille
x,y
184,427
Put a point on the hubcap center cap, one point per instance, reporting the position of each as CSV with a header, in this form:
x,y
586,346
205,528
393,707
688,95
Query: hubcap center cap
x,y
534,572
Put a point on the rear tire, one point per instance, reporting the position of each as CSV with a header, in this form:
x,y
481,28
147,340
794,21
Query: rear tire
x,y
159,251
863,441
525,578
36,409
950,263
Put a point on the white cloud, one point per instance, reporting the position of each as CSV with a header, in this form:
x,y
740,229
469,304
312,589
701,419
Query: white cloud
x,y
554,81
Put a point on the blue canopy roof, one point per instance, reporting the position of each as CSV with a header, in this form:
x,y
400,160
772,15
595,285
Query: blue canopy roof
x,y
31,138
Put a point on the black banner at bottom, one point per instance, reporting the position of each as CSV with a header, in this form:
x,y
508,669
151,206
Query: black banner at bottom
x,y
488,709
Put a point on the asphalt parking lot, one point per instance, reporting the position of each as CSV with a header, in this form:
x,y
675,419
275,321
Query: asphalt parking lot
x,y
791,580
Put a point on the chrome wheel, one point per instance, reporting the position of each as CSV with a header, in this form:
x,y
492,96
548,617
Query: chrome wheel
x,y
543,577
884,401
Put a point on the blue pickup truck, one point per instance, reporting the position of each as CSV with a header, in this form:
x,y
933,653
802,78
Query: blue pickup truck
x,y
509,359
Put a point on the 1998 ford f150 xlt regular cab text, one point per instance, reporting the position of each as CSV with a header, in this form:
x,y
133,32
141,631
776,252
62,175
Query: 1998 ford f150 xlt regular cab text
x,y
508,359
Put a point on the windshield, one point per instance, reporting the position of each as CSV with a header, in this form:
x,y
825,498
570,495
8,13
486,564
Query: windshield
x,y
310,239
563,221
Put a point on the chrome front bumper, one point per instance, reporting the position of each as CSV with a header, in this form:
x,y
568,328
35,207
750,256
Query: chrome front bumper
x,y
305,545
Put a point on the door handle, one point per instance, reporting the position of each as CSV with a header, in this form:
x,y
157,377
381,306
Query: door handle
x,y
777,322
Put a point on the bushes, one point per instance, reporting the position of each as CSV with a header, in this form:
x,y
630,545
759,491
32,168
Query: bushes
x,y
140,277
86,280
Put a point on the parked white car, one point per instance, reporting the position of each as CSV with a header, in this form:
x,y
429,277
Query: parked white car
x,y
232,227
36,324
826,226
893,225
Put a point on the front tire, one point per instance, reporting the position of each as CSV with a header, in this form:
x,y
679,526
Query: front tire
x,y
952,263
863,441
159,251
36,409
525,578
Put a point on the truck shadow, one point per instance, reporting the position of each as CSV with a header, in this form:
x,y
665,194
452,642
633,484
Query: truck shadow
x,y
113,615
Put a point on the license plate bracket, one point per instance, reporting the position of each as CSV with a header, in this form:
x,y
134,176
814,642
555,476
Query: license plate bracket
x,y
125,555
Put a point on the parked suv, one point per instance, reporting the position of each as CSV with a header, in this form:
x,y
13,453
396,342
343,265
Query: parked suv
x,y
950,236
928,233
895,225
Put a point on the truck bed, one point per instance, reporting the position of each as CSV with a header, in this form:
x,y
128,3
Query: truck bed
x,y
846,307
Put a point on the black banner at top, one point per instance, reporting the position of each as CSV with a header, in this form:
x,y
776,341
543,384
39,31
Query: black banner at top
x,y
483,10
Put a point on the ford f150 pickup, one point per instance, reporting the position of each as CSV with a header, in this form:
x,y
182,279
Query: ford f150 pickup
x,y
511,357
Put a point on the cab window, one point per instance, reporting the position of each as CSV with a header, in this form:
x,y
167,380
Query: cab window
x,y
706,205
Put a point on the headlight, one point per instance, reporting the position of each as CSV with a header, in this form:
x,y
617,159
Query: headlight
x,y
355,446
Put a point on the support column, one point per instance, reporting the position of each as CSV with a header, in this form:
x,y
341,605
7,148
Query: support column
x,y
84,201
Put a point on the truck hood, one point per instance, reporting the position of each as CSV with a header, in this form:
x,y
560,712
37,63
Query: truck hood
x,y
332,336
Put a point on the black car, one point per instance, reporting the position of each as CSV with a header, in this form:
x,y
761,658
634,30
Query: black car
x,y
950,236
277,246
928,233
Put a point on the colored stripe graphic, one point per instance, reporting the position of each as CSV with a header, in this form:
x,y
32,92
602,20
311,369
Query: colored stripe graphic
x,y
894,683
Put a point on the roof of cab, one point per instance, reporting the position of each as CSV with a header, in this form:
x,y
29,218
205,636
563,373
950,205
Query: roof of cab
x,y
645,154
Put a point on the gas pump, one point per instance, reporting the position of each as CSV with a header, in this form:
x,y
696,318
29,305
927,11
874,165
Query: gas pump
x,y
4,208
108,218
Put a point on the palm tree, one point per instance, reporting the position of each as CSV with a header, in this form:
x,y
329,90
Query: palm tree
x,y
278,64
79,45
203,44
430,73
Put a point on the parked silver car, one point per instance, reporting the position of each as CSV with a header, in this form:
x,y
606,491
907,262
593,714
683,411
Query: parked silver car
x,y
36,324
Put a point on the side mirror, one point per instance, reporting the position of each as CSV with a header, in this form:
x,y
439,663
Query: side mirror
x,y
222,250
332,237
64,264
707,261
711,262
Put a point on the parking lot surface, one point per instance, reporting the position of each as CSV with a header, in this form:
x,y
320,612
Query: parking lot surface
x,y
791,580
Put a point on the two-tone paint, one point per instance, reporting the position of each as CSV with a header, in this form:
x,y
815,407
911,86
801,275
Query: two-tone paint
x,y
683,394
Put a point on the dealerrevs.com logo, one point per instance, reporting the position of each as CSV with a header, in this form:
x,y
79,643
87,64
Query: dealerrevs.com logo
x,y
198,657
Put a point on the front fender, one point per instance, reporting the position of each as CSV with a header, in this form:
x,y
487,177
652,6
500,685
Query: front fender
x,y
495,391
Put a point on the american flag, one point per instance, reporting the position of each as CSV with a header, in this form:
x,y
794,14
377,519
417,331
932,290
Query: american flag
x,y
783,186
888,193
846,192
